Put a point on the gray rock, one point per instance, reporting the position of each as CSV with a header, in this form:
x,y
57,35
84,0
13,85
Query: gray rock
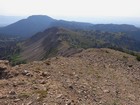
x,y
12,92
24,72
44,74
2,97
16,100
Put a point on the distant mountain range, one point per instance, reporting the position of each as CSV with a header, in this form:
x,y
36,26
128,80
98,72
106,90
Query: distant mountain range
x,y
37,23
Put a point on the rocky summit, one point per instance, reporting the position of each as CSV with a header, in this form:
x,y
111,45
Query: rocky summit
x,y
91,77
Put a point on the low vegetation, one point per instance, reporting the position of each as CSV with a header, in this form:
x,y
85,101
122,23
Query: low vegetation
x,y
138,57
16,60
42,94
134,53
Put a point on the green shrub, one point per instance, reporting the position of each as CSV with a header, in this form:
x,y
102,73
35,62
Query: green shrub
x,y
42,94
24,95
138,57
16,60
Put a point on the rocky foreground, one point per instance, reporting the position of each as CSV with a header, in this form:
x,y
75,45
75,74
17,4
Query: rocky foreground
x,y
92,77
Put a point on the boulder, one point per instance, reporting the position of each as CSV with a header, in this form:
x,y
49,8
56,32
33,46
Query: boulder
x,y
4,64
4,67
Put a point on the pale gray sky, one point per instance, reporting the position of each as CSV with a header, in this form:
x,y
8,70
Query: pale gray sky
x,y
71,8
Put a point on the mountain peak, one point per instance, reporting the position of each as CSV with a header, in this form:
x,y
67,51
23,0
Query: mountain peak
x,y
36,23
39,16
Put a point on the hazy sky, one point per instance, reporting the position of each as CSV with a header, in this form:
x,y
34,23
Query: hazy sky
x,y
71,8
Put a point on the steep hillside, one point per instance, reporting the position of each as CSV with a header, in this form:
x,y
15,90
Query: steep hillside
x,y
53,41
8,46
92,77
113,39
130,30
134,34
61,41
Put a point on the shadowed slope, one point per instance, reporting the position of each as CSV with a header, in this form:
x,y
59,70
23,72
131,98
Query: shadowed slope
x,y
61,41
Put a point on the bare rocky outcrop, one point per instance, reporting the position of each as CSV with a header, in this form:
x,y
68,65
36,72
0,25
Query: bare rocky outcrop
x,y
4,64
92,77
6,70
4,67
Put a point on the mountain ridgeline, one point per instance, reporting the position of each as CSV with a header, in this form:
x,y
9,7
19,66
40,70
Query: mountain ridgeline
x,y
65,42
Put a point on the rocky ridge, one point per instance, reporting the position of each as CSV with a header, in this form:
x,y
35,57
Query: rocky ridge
x,y
92,77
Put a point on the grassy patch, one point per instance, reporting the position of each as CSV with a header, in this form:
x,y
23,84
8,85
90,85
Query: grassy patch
x,y
42,94
138,57
16,60
24,95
